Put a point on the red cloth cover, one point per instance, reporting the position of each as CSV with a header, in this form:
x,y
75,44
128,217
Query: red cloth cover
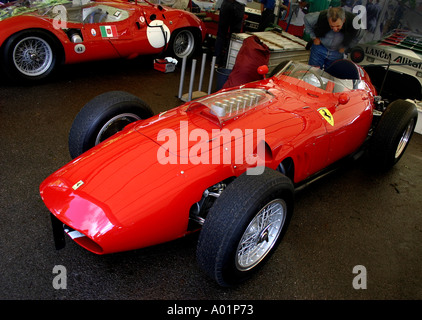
x,y
252,54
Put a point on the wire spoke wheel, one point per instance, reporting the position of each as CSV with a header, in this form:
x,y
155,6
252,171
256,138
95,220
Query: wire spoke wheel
x,y
404,140
184,44
261,235
115,125
104,116
392,134
244,226
32,56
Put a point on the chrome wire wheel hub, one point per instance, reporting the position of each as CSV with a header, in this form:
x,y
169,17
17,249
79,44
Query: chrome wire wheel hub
x,y
404,140
32,56
261,235
183,44
115,125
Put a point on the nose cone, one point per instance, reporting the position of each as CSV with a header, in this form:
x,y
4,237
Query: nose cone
x,y
112,193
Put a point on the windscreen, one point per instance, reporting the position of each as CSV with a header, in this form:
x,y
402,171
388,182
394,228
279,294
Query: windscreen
x,y
298,73
19,7
79,11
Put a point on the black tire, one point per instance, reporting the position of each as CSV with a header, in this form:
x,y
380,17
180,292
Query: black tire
x,y
103,116
221,240
183,43
30,55
392,134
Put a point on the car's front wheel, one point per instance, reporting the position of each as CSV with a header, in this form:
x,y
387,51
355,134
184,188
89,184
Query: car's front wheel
x,y
182,44
103,116
245,226
30,56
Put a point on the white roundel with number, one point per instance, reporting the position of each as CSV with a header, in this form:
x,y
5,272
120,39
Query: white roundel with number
x,y
158,34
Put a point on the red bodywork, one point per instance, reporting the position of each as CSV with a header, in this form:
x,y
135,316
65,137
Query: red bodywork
x,y
134,34
121,196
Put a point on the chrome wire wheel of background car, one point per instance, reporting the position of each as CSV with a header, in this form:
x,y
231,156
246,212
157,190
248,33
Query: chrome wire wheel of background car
x,y
392,134
115,125
244,226
261,235
32,56
103,116
183,44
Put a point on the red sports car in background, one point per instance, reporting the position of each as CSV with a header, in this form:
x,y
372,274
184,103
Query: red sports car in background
x,y
37,36
227,164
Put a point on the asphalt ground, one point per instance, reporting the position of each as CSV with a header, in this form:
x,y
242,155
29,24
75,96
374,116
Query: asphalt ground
x,y
350,219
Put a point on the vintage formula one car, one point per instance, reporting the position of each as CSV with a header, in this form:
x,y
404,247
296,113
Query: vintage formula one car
x,y
36,36
226,164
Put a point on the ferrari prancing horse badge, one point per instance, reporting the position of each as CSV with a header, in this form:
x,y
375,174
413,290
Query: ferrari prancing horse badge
x,y
326,114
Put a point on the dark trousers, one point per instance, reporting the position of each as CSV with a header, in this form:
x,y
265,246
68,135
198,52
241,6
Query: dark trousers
x,y
230,21
321,57
267,19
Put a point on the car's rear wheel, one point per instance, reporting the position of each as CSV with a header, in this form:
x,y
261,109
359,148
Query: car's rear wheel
x,y
104,116
245,226
392,134
30,55
182,44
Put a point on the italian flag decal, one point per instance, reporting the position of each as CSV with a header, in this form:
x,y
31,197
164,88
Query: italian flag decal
x,y
108,31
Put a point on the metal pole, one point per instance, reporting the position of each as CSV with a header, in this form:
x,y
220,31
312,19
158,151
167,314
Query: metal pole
x,y
276,12
182,78
211,74
192,76
201,76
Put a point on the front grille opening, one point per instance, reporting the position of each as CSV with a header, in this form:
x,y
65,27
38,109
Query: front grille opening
x,y
83,240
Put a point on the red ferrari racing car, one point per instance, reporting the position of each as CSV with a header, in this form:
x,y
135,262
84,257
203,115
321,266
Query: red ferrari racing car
x,y
37,36
226,164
